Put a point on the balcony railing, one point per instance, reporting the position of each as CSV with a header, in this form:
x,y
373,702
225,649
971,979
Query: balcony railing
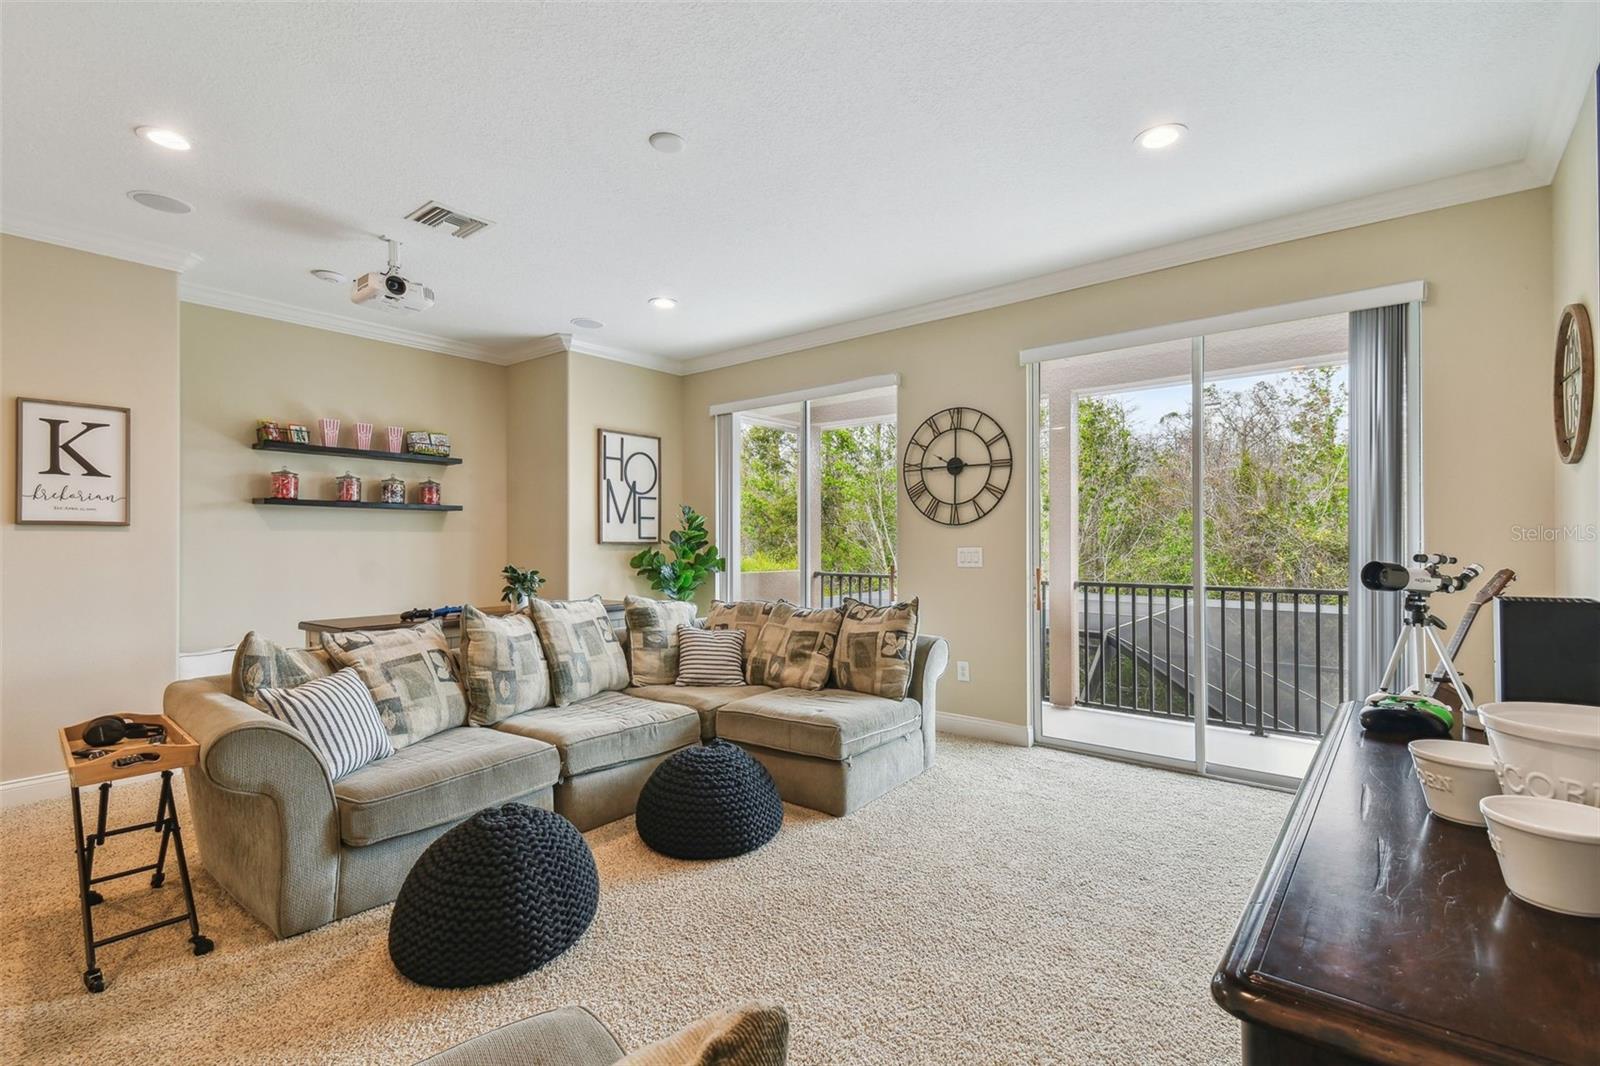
x,y
832,586
1275,657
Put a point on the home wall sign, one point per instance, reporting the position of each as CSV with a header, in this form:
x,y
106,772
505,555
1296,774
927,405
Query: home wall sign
x,y
630,488
72,463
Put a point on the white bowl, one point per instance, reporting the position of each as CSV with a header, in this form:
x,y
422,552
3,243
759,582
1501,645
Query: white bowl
x,y
1549,750
1549,851
1455,775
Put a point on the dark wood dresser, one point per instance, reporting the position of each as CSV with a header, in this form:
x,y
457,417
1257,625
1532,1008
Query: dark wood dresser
x,y
1379,933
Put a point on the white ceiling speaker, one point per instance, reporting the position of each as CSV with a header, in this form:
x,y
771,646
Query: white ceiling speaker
x,y
156,202
667,142
332,276
587,323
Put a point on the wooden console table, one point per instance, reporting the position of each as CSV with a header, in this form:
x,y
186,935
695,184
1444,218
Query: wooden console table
x,y
314,628
1378,933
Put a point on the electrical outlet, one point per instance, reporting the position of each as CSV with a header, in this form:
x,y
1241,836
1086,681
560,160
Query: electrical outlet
x,y
963,671
969,558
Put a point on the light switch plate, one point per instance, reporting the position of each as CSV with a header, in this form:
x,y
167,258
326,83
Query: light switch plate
x,y
969,557
963,671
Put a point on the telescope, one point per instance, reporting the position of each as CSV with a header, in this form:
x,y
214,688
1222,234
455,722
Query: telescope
x,y
1424,575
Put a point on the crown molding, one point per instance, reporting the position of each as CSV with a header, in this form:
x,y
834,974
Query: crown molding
x,y
1554,125
583,346
1416,199
99,242
371,330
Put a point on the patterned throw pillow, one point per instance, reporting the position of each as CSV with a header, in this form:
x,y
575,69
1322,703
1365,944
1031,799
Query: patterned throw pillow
x,y
751,1035
653,637
875,645
795,648
502,666
747,616
411,675
582,648
713,657
261,663
337,716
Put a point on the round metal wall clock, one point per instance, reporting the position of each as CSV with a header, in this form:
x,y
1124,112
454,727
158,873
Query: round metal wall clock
x,y
957,466
1574,382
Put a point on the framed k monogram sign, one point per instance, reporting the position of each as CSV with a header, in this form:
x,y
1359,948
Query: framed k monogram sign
x,y
72,463
630,488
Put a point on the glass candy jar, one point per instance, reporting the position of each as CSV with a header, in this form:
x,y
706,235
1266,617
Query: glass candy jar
x,y
392,490
349,488
428,493
285,485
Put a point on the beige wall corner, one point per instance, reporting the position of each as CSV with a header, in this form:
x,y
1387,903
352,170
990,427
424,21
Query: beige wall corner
x,y
90,615
536,470
1486,406
1575,258
605,394
247,567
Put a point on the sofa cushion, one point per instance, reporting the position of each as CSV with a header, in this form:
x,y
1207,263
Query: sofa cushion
x,y
795,647
441,779
874,650
503,671
747,616
608,729
411,674
705,699
581,646
261,663
710,658
830,724
653,638
336,716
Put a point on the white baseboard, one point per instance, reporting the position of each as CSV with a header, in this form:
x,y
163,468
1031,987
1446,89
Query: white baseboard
x,y
26,790
966,725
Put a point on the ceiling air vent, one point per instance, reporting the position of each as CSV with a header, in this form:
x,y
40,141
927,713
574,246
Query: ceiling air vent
x,y
434,214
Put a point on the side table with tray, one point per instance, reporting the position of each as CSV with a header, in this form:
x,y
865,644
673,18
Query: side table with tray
x,y
164,747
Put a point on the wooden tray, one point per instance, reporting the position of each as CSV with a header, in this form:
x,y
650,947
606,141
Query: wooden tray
x,y
179,751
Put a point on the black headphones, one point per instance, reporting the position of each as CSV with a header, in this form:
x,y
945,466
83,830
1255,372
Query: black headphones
x,y
103,732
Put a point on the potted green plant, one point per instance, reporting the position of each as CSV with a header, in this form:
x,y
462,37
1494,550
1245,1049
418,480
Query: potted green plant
x,y
521,586
694,559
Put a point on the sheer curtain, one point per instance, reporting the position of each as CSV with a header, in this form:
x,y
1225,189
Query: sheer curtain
x,y
1377,483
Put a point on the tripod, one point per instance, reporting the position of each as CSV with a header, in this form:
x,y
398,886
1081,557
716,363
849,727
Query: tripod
x,y
1416,634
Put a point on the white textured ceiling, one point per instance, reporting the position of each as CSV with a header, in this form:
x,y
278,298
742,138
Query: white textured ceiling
x,y
843,161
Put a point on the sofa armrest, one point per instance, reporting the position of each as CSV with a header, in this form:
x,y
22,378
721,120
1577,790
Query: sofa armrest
x,y
263,808
927,666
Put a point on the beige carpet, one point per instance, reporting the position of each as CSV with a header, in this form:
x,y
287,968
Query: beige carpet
x,y
1010,906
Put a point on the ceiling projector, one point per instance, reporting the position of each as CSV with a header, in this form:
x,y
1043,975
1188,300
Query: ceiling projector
x,y
391,289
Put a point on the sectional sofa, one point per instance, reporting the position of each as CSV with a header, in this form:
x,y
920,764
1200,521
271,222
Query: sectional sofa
x,y
298,849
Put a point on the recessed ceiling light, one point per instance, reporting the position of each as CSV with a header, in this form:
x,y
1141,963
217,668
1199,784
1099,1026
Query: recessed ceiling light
x,y
587,323
164,137
331,276
666,141
663,303
1163,136
156,202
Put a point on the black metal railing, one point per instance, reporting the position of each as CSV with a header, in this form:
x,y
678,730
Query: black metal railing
x,y
1275,657
832,586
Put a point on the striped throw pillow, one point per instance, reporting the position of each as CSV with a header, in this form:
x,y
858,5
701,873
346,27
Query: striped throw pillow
x,y
337,716
712,657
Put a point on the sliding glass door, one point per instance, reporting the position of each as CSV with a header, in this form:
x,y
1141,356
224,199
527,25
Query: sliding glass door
x,y
809,490
1194,547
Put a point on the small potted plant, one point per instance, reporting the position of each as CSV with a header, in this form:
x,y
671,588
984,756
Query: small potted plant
x,y
521,586
694,559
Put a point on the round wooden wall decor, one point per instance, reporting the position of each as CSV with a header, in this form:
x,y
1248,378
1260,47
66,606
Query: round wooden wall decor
x,y
1574,382
957,466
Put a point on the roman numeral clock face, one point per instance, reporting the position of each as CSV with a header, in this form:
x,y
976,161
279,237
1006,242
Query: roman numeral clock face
x,y
957,466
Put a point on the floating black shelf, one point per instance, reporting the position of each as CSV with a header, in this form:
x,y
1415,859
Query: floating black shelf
x,y
354,453
273,501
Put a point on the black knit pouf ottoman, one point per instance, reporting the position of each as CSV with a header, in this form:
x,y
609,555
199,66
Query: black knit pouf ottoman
x,y
502,893
709,802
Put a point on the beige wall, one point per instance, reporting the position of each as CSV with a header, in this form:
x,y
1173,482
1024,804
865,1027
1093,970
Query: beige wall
x,y
1486,405
1575,234
604,394
536,458
90,615
247,567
